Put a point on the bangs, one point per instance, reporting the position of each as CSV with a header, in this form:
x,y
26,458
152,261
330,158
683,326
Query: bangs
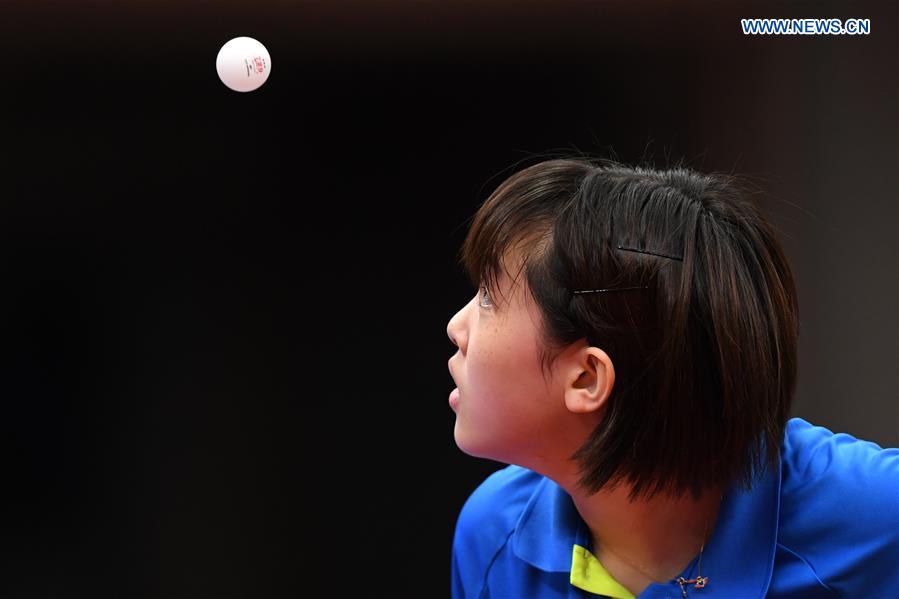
x,y
517,220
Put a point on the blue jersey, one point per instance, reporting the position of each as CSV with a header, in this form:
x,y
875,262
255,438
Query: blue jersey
x,y
824,524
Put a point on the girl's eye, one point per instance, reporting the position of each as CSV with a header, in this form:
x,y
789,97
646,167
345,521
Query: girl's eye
x,y
485,297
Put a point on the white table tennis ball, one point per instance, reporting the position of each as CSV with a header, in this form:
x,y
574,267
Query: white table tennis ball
x,y
243,64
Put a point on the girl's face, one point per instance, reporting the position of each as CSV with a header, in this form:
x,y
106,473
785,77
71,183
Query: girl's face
x,y
505,410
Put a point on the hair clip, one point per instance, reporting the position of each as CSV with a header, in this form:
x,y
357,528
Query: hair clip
x,y
604,290
651,253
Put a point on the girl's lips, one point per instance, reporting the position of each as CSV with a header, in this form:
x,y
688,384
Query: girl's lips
x,y
454,398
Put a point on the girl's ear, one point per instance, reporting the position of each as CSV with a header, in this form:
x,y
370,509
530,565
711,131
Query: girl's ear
x,y
590,377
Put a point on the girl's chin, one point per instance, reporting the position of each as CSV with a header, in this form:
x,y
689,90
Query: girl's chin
x,y
465,443
476,448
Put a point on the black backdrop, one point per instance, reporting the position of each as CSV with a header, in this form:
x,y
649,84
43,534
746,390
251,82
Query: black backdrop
x,y
224,350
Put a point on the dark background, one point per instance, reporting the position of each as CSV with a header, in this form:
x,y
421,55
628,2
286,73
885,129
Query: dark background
x,y
223,335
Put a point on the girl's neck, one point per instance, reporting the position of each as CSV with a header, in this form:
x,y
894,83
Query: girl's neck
x,y
646,541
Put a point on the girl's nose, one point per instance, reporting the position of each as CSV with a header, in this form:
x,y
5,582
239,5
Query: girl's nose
x,y
455,329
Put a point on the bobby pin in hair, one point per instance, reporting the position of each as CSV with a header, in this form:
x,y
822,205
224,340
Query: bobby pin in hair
x,y
602,290
652,253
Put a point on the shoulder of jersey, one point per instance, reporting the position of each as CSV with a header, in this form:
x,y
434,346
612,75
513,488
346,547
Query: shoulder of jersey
x,y
839,502
492,510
